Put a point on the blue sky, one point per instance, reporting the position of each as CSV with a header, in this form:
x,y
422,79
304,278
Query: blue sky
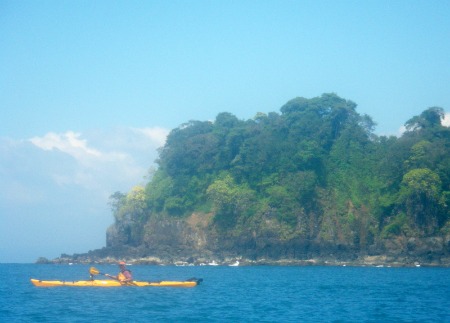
x,y
90,89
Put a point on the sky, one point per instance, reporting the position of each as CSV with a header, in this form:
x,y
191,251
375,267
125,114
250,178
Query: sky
x,y
90,89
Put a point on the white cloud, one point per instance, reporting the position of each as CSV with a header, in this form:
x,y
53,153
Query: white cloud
x,y
446,121
52,183
401,131
156,134
100,162
120,155
68,142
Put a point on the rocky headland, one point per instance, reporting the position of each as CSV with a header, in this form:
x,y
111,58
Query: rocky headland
x,y
193,241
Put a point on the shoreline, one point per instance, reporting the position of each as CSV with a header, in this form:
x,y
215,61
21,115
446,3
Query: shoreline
x,y
367,261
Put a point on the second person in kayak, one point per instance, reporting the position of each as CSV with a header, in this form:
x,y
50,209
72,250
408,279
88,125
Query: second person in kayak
x,y
124,275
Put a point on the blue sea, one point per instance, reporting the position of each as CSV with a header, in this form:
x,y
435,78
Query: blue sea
x,y
231,294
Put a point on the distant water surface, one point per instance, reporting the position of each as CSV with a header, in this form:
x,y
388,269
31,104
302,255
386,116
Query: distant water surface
x,y
231,294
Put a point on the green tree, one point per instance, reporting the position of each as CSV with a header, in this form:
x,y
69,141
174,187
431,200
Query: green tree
x,y
421,197
429,118
315,170
130,211
230,199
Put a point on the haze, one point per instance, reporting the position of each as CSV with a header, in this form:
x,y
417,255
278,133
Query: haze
x,y
90,89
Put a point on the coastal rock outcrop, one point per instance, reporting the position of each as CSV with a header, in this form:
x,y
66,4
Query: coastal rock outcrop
x,y
195,240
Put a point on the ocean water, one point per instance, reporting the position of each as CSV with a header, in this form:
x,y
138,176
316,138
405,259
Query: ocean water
x,y
231,294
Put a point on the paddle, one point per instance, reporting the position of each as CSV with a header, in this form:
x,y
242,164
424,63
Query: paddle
x,y
94,271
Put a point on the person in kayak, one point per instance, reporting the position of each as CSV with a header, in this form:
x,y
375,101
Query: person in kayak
x,y
124,275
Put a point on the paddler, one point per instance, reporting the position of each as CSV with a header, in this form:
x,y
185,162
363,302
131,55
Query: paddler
x,y
124,275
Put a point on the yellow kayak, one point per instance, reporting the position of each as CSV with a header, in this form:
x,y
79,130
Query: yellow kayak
x,y
192,282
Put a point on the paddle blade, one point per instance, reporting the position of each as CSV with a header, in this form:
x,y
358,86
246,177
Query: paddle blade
x,y
93,271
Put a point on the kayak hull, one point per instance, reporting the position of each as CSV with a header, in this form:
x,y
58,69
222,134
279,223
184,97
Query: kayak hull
x,y
114,283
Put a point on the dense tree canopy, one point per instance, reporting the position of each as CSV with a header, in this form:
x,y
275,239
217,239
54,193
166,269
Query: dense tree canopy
x,y
316,168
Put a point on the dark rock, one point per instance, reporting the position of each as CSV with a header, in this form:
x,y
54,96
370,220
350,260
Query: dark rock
x,y
195,240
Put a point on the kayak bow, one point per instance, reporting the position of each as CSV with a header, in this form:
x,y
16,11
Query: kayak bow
x,y
192,282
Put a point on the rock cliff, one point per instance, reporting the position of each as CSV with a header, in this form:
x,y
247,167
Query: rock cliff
x,y
195,240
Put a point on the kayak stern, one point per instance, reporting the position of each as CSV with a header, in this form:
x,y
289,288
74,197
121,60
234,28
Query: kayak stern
x,y
192,282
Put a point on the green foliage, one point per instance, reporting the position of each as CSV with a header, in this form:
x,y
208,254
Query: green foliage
x,y
314,170
222,192
419,155
429,118
130,211
230,199
421,181
158,190
421,197
398,225
129,207
174,205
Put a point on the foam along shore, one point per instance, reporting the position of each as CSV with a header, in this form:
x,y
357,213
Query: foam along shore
x,y
367,261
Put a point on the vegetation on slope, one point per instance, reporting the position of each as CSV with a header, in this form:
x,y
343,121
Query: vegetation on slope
x,y
314,172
